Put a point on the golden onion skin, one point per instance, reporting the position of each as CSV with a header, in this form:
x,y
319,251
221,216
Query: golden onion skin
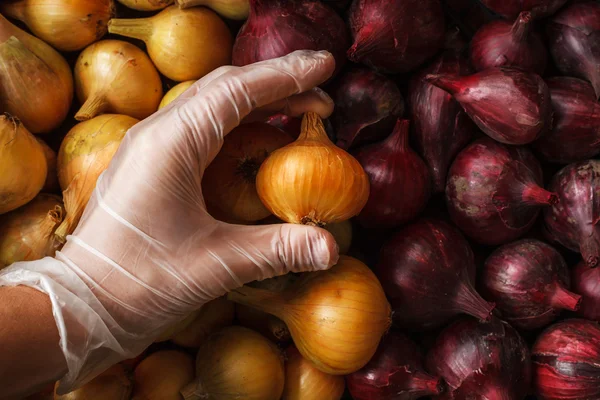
x,y
214,315
113,384
162,375
231,9
174,93
51,184
146,5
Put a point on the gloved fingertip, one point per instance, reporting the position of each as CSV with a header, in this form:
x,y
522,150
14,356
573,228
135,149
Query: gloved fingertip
x,y
324,54
326,251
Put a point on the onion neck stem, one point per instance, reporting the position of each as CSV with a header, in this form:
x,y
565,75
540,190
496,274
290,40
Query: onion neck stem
x,y
522,26
426,384
470,302
260,299
137,28
450,83
535,195
398,140
313,129
563,299
94,105
590,247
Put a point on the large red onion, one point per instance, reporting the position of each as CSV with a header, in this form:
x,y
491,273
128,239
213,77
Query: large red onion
x,y
573,220
528,280
486,97
494,192
427,271
586,281
400,181
574,41
511,8
394,373
278,27
566,361
395,36
367,105
481,361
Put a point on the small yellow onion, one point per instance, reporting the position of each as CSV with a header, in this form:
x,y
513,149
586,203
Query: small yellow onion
x,y
237,363
84,154
174,93
23,167
162,375
342,233
36,84
229,182
68,25
112,76
232,9
304,382
312,181
51,184
183,44
336,317
146,5
27,233
112,384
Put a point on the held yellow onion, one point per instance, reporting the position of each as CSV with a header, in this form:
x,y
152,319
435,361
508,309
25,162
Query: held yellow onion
x,y
312,181
84,154
183,44
112,384
112,76
162,375
336,317
232,9
36,84
174,93
68,25
146,5
51,184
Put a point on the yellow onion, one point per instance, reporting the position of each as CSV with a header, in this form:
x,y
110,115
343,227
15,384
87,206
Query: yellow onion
x,y
27,233
68,25
229,182
183,44
112,76
312,181
342,233
36,84
336,317
162,375
174,93
304,382
51,184
112,384
146,5
23,167
84,154
237,363
232,9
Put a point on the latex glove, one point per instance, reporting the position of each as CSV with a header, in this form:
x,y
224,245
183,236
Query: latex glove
x,y
146,252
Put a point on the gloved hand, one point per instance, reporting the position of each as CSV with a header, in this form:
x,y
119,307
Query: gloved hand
x,y
146,252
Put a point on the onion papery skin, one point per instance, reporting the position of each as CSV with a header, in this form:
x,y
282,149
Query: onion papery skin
x,y
586,281
395,372
290,125
575,134
66,25
183,44
367,105
529,282
211,317
494,192
146,5
485,94
312,181
162,375
229,182
112,76
36,84
512,8
336,317
84,154
481,361
112,384
573,220
231,9
441,128
174,93
574,41
276,28
400,183
51,185
427,270
566,361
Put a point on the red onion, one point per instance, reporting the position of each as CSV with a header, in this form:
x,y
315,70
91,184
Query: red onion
x,y
586,280
573,220
400,181
289,125
395,36
441,127
485,96
278,27
528,280
502,44
367,106
574,40
566,361
427,271
481,361
494,192
394,373
511,8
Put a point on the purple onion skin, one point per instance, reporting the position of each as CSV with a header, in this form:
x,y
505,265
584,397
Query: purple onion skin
x,y
511,8
573,220
441,127
276,28
481,361
494,193
367,105
394,373
427,270
486,94
586,281
566,361
395,36
574,41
